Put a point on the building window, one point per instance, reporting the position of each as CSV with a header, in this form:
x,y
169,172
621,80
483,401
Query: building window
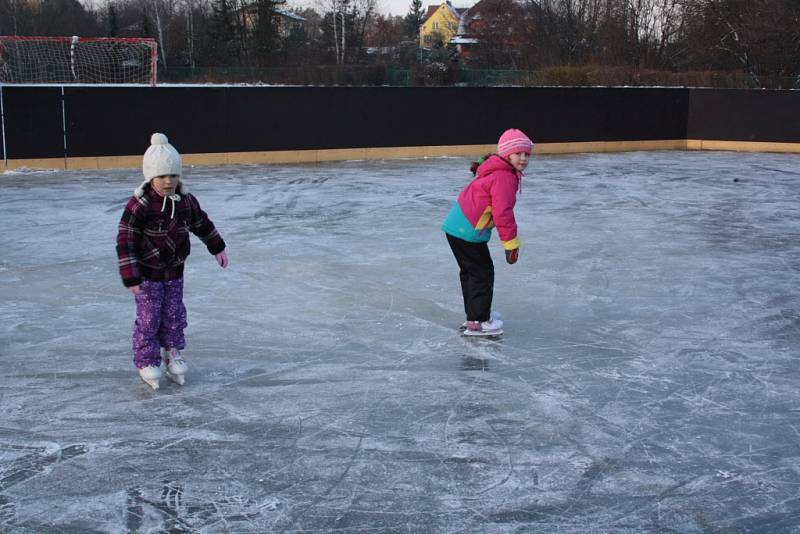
x,y
428,39
435,25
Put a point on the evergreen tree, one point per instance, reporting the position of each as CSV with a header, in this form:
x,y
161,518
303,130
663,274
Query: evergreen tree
x,y
414,18
112,22
221,44
264,39
64,17
145,30
295,46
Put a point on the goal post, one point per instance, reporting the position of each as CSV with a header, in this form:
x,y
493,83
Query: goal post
x,y
77,60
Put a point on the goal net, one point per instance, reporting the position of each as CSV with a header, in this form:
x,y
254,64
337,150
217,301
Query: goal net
x,y
61,60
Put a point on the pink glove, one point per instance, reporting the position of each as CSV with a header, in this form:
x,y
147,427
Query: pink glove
x,y
222,259
136,290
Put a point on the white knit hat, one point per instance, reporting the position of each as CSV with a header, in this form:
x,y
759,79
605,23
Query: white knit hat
x,y
160,159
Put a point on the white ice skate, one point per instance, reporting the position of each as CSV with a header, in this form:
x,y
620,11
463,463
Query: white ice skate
x,y
151,375
176,366
492,327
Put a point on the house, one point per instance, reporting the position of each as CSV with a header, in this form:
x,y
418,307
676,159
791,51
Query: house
x,y
285,21
488,24
439,25
469,26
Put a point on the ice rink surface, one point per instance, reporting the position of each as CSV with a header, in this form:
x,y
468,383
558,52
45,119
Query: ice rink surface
x,y
647,381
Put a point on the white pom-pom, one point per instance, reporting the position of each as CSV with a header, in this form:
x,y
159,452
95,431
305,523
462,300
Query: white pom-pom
x,y
158,139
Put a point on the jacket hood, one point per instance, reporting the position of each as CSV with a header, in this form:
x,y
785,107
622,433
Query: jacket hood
x,y
495,163
146,190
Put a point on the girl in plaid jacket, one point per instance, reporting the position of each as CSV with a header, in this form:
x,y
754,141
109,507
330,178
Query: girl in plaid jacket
x,y
152,246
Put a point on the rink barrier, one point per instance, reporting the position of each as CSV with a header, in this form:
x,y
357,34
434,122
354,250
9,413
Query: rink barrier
x,y
356,154
71,127
742,146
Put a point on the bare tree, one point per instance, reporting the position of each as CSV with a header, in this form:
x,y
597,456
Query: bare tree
x,y
160,30
363,12
338,20
16,17
386,31
188,9
761,37
495,26
631,32
346,22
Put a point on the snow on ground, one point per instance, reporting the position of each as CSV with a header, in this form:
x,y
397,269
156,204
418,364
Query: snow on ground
x,y
647,380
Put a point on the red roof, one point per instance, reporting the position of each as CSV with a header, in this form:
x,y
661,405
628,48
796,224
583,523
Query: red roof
x,y
431,11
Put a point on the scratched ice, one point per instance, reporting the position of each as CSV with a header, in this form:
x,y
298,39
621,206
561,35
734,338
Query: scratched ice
x,y
648,380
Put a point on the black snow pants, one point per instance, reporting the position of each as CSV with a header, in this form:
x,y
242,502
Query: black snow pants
x,y
476,271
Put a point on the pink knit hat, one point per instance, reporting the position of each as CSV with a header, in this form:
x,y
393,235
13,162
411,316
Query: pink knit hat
x,y
513,141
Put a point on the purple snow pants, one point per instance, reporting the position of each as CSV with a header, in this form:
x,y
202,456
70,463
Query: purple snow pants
x,y
160,320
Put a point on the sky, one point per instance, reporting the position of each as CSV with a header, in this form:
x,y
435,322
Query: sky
x,y
401,7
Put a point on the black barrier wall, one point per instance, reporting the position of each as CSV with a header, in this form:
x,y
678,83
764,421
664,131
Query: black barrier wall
x,y
33,124
74,121
735,115
114,121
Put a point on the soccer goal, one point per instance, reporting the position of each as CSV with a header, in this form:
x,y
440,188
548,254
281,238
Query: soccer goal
x,y
83,60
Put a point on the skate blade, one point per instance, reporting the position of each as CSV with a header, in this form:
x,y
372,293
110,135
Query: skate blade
x,y
178,379
489,334
152,383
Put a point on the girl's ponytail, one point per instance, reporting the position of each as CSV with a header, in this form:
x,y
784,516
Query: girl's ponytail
x,y
473,168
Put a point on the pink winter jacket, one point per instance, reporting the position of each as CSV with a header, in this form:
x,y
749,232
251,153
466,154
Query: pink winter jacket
x,y
487,201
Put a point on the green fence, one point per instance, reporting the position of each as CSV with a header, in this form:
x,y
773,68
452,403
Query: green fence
x,y
327,75
446,74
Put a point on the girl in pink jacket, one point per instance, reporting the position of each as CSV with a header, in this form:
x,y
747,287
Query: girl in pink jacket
x,y
487,202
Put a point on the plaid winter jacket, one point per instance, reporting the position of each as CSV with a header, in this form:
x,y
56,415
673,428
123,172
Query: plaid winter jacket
x,y
153,236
